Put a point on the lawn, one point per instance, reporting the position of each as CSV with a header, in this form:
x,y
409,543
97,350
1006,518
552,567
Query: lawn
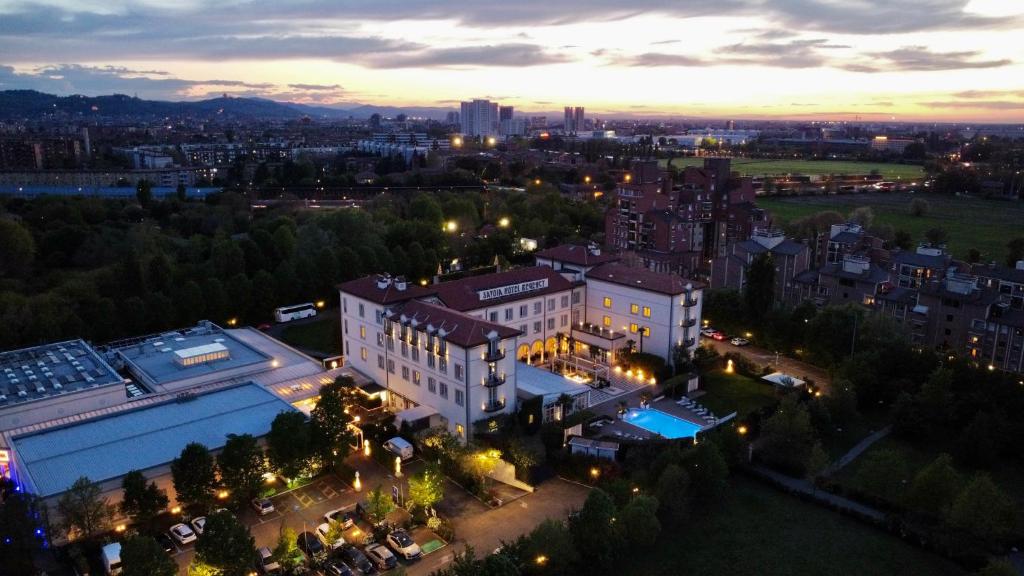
x,y
323,335
728,393
840,442
759,530
986,225
760,167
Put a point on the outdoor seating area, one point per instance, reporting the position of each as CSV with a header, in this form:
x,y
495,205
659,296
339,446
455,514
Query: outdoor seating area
x,y
701,411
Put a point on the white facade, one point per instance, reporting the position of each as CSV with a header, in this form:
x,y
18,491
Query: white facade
x,y
479,118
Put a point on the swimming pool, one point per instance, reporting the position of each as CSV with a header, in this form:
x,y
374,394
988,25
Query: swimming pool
x,y
662,424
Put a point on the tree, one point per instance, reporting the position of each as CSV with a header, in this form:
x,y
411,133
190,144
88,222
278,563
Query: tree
x,y
426,488
934,488
17,248
982,510
551,540
788,437
287,551
289,449
936,236
142,501
144,193
1014,252
902,239
708,473
979,444
884,474
226,544
194,475
863,215
671,491
182,193
83,511
380,504
918,207
936,397
329,424
593,531
998,567
21,514
759,292
144,556
637,522
241,465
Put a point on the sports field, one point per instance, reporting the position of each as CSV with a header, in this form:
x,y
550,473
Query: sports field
x,y
970,222
759,167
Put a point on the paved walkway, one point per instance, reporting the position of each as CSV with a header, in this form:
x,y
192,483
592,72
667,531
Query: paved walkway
x,y
857,450
763,357
806,487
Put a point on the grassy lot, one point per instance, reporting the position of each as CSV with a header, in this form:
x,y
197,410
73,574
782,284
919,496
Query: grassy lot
x,y
324,335
728,393
840,442
1008,474
970,222
760,167
758,530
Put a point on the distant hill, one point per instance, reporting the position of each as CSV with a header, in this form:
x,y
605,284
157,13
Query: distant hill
x,y
33,104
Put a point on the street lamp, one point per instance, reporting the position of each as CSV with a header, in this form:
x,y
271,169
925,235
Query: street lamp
x,y
504,222
451,226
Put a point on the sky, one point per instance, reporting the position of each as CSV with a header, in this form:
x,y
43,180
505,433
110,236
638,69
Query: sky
x,y
941,60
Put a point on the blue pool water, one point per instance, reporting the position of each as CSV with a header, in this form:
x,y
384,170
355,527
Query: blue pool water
x,y
662,424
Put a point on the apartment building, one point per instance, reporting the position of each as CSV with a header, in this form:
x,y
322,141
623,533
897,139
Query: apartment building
x,y
789,257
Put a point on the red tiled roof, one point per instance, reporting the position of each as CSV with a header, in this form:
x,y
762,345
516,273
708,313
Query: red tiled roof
x,y
573,254
366,288
642,279
461,329
464,295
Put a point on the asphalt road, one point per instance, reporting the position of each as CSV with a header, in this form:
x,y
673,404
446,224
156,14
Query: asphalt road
x,y
779,362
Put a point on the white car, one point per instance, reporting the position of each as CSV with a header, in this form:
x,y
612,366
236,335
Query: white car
x,y
182,533
381,557
262,506
739,341
198,524
402,544
708,331
347,517
322,532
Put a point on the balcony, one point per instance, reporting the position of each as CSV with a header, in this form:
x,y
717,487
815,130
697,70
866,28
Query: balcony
x,y
494,355
688,323
689,302
496,406
689,342
493,380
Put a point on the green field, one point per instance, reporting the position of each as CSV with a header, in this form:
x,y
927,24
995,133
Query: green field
x,y
728,393
970,222
323,335
759,167
759,530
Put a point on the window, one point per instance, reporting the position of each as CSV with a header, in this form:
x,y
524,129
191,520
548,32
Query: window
x,y
432,385
443,388
380,338
607,321
391,366
379,316
430,360
647,311
564,321
405,349
551,323
405,373
522,328
459,430
633,327
493,317
460,398
416,377
647,332
442,365
565,301
536,327
634,308
415,354
537,307
362,310
344,305
949,317
362,353
607,302
523,311
576,297
346,326
458,371
551,304
380,361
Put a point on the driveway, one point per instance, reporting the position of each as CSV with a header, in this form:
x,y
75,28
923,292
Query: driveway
x,y
781,363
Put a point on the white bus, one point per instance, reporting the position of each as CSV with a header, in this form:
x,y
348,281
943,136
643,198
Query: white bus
x,y
289,313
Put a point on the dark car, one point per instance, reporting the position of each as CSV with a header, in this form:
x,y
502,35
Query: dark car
x,y
166,543
310,544
355,558
336,567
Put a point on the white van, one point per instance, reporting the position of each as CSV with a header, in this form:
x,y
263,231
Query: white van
x,y
112,559
399,447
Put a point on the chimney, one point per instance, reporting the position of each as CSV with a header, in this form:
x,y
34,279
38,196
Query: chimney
x,y
595,250
1020,264
401,284
383,281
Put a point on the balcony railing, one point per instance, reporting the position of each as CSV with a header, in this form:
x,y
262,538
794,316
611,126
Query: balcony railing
x,y
688,323
494,355
496,406
689,302
493,380
689,342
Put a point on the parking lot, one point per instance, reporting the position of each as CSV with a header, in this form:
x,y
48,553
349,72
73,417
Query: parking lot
x,y
475,524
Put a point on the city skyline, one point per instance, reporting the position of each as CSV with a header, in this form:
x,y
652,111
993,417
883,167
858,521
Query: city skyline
x,y
941,60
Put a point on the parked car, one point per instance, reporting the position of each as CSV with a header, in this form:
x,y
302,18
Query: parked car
x,y
381,557
262,506
355,558
719,336
739,341
166,543
323,531
265,561
347,518
182,533
309,543
708,331
198,524
402,544
399,447
336,567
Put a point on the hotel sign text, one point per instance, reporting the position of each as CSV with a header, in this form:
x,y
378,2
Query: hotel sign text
x,y
512,289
